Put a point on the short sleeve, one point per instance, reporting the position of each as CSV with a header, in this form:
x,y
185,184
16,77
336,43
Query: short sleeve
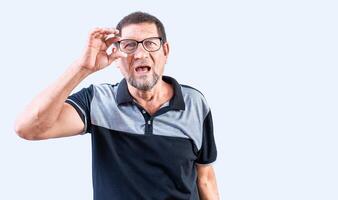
x,y
81,101
208,152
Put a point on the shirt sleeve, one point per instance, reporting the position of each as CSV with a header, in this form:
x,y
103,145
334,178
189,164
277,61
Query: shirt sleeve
x,y
208,152
81,101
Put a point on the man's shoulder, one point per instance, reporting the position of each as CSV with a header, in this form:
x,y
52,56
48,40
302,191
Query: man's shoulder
x,y
194,97
98,90
191,90
104,87
99,86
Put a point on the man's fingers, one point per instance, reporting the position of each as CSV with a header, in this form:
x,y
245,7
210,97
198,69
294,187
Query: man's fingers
x,y
101,38
105,31
116,54
112,40
102,33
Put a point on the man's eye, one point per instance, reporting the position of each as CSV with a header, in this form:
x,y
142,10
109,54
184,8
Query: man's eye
x,y
149,43
130,45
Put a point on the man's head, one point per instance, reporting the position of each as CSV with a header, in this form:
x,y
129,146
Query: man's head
x,y
144,40
142,17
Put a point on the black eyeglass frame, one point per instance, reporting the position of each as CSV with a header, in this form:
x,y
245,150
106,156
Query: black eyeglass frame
x,y
138,42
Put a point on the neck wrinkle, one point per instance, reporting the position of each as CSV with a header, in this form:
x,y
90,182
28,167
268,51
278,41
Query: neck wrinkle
x,y
147,96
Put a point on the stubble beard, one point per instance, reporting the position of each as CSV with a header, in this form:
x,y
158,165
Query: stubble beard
x,y
142,83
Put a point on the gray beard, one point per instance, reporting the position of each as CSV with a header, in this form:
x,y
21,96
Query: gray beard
x,y
143,84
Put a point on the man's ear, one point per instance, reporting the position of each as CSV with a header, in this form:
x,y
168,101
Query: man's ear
x,y
166,49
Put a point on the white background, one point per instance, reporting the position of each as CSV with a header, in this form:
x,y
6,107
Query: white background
x,y
267,68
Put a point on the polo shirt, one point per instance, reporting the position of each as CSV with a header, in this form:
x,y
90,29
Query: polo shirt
x,y
140,156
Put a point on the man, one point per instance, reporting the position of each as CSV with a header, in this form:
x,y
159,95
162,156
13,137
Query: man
x,y
152,138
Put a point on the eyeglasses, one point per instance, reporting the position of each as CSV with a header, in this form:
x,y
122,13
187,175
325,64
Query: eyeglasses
x,y
129,46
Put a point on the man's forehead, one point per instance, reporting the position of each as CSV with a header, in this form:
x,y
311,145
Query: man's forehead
x,y
139,31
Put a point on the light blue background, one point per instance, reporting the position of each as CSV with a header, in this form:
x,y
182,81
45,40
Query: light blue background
x,y
267,68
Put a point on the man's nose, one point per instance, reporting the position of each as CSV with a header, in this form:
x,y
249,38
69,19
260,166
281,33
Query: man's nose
x,y
140,52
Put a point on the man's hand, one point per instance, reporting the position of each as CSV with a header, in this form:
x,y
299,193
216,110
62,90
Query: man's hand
x,y
95,55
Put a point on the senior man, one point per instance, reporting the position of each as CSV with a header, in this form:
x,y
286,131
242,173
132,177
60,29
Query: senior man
x,y
152,138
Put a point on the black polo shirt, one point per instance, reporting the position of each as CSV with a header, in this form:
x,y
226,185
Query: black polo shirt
x,y
139,156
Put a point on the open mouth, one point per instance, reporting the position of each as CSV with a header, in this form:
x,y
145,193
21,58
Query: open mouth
x,y
142,69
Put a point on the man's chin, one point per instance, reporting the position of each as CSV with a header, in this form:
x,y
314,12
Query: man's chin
x,y
144,82
140,84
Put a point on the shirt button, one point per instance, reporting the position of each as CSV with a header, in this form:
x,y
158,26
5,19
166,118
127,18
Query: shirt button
x,y
149,122
143,111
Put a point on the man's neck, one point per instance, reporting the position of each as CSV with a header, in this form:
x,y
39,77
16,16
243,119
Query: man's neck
x,y
154,98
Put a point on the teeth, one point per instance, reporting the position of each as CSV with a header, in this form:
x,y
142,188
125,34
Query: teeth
x,y
142,68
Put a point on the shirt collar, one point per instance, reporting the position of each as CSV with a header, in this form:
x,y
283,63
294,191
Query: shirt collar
x,y
176,102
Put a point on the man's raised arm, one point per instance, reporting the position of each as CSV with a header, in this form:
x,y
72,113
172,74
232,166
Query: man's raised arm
x,y
47,115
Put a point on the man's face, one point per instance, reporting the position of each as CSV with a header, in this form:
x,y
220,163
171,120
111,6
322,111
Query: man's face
x,y
142,69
